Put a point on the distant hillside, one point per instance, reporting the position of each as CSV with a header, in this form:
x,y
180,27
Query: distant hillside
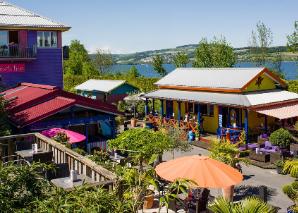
x,y
146,56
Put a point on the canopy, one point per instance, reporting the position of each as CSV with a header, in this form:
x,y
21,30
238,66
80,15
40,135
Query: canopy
x,y
281,111
135,97
74,137
204,171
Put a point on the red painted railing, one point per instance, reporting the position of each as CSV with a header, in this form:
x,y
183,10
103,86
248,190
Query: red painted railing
x,y
158,121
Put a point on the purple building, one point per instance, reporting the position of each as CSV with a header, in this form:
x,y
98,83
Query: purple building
x,y
30,47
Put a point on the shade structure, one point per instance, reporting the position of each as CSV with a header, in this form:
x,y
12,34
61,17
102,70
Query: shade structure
x,y
74,137
204,171
280,111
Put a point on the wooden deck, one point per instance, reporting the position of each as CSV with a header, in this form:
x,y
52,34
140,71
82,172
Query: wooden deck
x,y
61,154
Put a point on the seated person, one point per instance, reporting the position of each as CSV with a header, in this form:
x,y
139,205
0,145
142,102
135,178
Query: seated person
x,y
191,135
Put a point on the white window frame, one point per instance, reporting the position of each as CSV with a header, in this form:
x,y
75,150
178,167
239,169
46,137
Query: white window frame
x,y
43,39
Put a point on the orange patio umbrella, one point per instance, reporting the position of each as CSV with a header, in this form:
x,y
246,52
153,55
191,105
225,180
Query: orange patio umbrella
x,y
204,171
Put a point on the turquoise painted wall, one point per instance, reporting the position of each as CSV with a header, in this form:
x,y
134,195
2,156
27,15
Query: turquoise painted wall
x,y
124,89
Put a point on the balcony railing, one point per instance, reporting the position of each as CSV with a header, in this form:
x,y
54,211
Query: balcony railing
x,y
15,51
61,154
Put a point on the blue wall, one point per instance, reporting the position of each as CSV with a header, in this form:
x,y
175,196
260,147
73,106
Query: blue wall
x,y
47,68
124,89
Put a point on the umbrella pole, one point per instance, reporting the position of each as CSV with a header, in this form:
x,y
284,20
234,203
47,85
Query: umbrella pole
x,y
228,193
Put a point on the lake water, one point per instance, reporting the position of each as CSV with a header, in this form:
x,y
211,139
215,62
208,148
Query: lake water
x,y
289,68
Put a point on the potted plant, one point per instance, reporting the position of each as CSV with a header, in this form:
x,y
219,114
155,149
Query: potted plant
x,y
279,166
148,199
281,138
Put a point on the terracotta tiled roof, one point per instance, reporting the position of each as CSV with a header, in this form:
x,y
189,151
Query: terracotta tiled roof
x,y
29,103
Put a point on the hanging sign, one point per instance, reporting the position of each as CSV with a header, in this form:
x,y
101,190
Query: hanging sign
x,y
8,68
220,120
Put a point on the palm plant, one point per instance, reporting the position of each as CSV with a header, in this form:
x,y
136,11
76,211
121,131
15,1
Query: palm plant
x,y
248,205
180,186
291,190
291,167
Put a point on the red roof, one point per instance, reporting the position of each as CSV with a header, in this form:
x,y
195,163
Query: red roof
x,y
33,102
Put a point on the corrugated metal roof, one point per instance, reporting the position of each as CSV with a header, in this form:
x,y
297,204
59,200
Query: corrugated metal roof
x,y
14,16
270,96
42,110
234,99
285,111
226,78
100,85
32,102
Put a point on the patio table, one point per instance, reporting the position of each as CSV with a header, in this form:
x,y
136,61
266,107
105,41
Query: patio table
x,y
117,159
67,184
28,154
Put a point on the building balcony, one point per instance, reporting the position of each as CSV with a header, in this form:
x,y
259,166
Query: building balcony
x,y
15,52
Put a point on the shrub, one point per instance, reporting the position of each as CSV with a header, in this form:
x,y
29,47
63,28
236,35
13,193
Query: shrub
x,y
290,191
80,151
279,163
281,137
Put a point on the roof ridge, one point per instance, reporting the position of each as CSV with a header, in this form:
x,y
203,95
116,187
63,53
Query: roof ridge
x,y
34,14
41,86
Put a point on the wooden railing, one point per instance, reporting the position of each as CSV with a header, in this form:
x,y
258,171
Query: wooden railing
x,y
157,121
61,154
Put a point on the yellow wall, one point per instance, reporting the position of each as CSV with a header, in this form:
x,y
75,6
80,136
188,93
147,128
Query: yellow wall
x,y
256,120
210,124
267,83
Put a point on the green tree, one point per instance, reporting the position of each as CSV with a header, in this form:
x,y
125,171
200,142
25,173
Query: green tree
x,y
217,53
103,60
261,39
4,124
157,62
142,144
293,86
248,205
133,72
81,199
226,152
293,39
21,185
89,69
180,59
77,56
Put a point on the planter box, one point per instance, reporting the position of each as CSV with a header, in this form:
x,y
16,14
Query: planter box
x,y
294,148
262,157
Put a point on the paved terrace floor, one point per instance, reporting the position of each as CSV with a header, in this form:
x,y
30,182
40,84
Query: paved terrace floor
x,y
253,178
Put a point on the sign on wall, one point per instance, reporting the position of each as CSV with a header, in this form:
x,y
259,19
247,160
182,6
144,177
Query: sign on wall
x,y
16,67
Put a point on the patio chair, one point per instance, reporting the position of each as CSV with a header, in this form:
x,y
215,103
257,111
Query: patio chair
x,y
43,157
23,145
61,171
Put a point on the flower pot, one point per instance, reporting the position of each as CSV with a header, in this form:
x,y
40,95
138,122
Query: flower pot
x,y
279,169
133,122
148,201
197,138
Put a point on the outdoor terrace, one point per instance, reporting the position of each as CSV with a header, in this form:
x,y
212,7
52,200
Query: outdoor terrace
x,y
61,155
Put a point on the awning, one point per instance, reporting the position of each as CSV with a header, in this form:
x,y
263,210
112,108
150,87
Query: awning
x,y
281,111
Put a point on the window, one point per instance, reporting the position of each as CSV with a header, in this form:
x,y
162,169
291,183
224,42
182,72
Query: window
x,y
46,39
205,109
3,38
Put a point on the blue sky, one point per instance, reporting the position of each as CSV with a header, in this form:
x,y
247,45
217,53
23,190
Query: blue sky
x,y
124,26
